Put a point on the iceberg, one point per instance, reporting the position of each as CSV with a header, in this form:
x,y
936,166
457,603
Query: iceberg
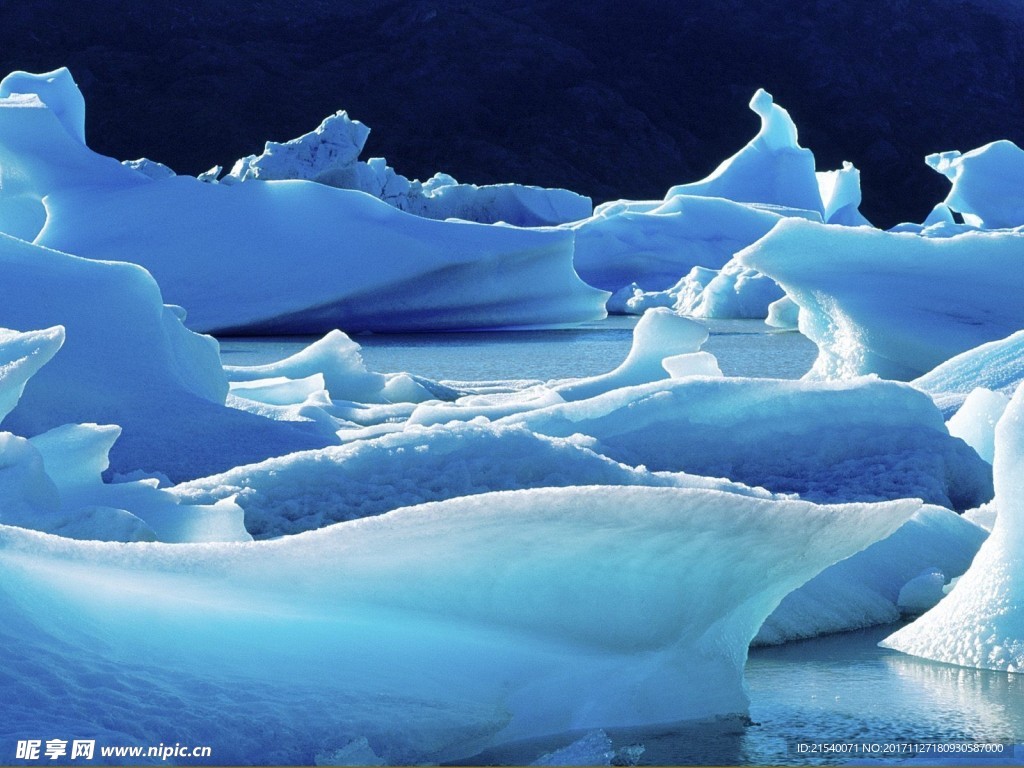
x,y
893,304
315,258
987,184
564,609
330,155
981,622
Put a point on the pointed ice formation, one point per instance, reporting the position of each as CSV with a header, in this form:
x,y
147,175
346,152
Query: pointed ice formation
x,y
772,168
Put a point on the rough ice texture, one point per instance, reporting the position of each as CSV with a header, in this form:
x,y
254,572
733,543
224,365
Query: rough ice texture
x,y
312,489
981,622
864,590
894,304
771,168
864,439
128,360
330,155
734,292
432,631
988,184
287,256
996,365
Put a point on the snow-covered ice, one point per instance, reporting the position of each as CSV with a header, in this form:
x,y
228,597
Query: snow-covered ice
x,y
431,631
996,365
895,304
981,622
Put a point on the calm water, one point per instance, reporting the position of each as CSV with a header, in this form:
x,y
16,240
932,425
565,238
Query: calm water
x,y
838,689
743,348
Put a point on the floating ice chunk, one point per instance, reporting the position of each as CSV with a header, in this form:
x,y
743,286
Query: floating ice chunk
x,y
893,304
783,313
864,590
335,357
594,748
771,168
575,608
361,264
996,365
691,364
988,183
841,197
975,422
356,752
862,439
981,622
659,334
922,593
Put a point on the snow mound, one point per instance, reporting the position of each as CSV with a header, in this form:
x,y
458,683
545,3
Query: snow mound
x,y
988,184
854,440
893,304
330,155
981,622
564,609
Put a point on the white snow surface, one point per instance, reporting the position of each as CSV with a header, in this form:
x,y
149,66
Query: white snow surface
x,y
894,304
981,622
432,631
313,258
